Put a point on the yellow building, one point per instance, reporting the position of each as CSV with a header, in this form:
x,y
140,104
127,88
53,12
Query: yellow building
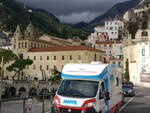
x,y
46,59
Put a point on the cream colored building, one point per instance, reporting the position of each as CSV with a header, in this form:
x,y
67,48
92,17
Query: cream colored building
x,y
113,51
46,59
137,51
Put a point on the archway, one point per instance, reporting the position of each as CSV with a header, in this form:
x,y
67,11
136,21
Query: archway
x,y
32,92
12,92
44,91
22,92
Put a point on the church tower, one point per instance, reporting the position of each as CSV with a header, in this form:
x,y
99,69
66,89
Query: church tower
x,y
17,36
29,31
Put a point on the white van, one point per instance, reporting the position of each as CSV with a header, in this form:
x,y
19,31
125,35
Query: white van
x,y
89,88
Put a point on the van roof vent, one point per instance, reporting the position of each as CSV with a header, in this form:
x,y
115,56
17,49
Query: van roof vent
x,y
96,63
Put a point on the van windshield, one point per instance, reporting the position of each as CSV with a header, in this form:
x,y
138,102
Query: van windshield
x,y
78,88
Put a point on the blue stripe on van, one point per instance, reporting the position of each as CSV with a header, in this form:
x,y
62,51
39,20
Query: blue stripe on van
x,y
102,75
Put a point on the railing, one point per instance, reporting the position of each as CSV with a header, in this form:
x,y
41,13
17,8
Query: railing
x,y
36,104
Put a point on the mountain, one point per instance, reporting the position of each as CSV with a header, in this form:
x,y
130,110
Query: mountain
x,y
13,14
116,11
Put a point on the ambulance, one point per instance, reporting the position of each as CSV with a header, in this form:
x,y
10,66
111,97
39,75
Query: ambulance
x,y
89,88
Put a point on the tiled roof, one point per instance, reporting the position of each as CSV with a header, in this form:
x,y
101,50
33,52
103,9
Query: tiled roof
x,y
55,38
64,48
108,42
42,41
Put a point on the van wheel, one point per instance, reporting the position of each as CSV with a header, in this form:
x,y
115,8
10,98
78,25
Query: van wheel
x,y
100,112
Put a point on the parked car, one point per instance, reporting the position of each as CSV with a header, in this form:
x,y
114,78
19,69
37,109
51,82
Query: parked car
x,y
128,90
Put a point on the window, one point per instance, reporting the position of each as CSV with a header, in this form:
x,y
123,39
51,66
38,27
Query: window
x,y
31,44
34,57
25,44
120,49
119,64
102,91
105,46
47,57
22,45
95,57
40,57
19,45
109,52
63,57
71,57
47,67
40,67
79,57
100,58
113,62
54,57
110,46
144,33
99,46
34,67
54,67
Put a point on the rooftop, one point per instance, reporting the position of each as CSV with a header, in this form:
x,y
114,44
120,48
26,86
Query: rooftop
x,y
64,48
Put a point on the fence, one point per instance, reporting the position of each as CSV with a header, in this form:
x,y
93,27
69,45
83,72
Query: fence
x,y
36,104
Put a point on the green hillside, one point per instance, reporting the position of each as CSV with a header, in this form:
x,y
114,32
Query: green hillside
x,y
13,14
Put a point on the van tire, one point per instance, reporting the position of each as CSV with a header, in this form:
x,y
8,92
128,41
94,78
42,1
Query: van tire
x,y
100,112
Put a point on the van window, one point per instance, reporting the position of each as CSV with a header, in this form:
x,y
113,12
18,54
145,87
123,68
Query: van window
x,y
102,91
78,88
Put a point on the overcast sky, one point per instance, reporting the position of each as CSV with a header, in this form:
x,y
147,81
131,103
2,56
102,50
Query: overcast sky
x,y
73,11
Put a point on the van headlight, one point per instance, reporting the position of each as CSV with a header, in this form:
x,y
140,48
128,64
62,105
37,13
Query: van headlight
x,y
90,104
56,100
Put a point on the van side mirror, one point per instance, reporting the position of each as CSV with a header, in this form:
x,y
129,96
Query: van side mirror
x,y
107,96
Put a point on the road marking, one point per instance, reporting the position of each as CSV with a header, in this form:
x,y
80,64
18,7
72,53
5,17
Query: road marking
x,y
129,102
125,104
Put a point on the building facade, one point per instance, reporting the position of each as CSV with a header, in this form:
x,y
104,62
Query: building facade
x,y
137,52
113,51
49,58
112,30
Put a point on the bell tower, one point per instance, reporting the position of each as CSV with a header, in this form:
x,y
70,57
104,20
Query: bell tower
x,y
29,31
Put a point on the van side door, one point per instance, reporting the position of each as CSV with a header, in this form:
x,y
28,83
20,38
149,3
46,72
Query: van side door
x,y
101,99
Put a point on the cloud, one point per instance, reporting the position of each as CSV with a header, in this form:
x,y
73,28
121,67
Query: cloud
x,y
78,17
73,10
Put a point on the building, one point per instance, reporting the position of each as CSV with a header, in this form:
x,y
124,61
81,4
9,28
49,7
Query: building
x,y
112,30
137,52
22,44
49,58
113,50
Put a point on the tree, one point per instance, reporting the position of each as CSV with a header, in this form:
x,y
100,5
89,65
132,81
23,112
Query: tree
x,y
57,75
132,28
5,57
127,77
18,66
